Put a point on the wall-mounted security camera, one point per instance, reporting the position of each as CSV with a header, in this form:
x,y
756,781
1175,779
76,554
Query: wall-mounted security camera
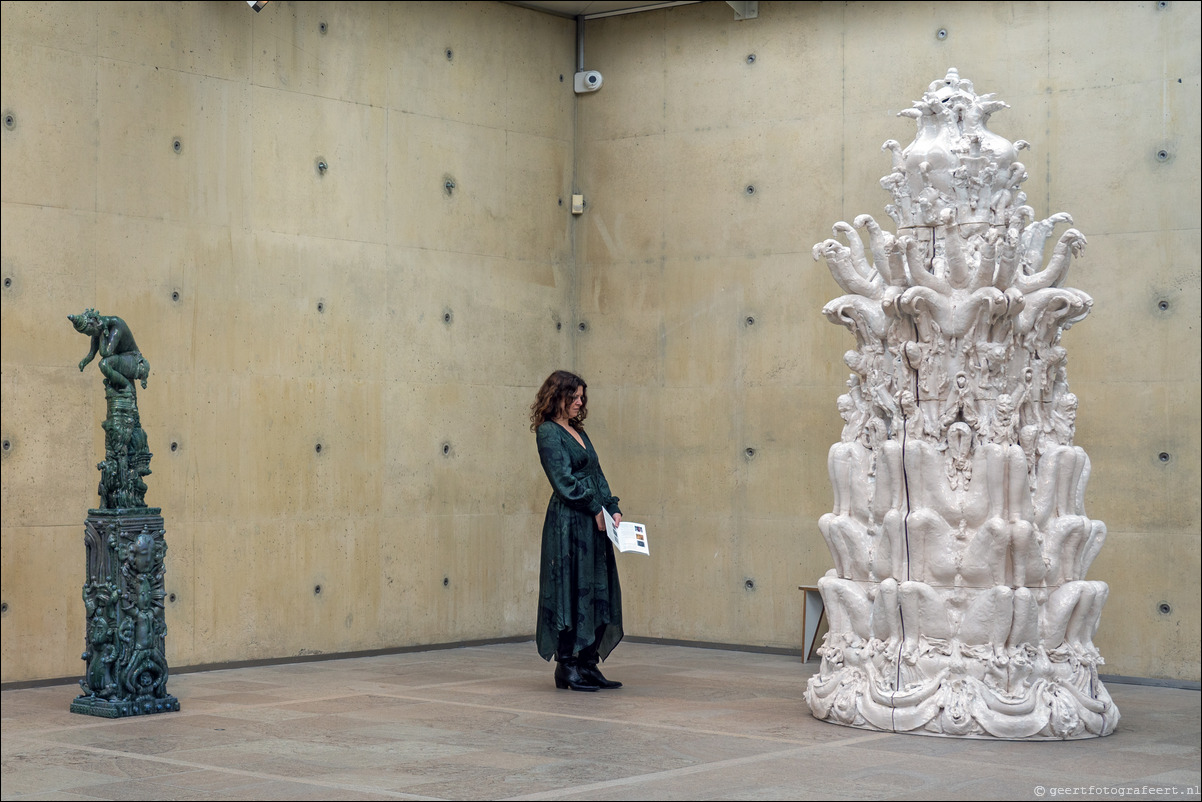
x,y
588,81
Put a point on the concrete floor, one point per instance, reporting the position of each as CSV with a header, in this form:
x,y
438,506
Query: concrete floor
x,y
486,722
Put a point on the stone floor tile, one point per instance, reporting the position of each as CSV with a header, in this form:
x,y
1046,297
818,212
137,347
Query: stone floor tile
x,y
487,723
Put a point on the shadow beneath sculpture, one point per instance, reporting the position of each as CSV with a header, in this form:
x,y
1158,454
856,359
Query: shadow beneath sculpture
x,y
125,651
958,604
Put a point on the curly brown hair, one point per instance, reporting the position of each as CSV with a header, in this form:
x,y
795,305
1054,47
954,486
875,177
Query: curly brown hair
x,y
554,395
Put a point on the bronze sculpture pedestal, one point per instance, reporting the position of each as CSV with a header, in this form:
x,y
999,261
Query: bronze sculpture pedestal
x,y
125,655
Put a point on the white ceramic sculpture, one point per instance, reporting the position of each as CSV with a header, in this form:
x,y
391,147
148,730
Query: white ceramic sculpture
x,y
958,604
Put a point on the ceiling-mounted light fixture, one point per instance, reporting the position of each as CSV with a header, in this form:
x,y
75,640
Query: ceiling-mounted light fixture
x,y
257,5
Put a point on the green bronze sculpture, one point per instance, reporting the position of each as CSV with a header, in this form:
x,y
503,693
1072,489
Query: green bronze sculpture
x,y
123,592
120,360
126,456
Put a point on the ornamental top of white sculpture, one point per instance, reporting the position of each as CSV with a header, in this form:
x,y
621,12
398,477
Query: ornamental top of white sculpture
x,y
956,164
965,273
958,604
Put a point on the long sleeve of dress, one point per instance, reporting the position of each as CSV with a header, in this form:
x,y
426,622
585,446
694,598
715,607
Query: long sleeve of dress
x,y
572,488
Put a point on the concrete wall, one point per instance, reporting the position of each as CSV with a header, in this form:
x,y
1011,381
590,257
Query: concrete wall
x,y
715,373
439,314
689,304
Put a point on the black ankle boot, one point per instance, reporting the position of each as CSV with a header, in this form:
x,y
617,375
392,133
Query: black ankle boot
x,y
569,677
591,673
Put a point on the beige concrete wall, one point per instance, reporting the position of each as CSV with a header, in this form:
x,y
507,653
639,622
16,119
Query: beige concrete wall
x,y
676,260
248,376
699,302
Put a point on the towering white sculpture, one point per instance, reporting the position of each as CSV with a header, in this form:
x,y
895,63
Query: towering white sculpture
x,y
958,604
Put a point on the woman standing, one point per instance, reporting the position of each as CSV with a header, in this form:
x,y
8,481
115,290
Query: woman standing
x,y
579,601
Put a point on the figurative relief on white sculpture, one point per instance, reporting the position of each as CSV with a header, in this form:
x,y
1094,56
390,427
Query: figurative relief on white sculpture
x,y
958,604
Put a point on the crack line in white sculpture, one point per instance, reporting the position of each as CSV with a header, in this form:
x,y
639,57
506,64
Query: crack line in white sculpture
x,y
958,603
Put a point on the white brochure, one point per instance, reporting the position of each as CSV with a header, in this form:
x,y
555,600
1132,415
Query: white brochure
x,y
626,536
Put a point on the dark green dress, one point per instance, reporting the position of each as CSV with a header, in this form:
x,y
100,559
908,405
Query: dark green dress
x,y
578,580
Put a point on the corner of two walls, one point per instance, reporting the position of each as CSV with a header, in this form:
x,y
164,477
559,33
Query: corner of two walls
x,y
404,324
349,278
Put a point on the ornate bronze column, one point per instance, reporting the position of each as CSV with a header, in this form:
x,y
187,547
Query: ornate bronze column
x,y
126,630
